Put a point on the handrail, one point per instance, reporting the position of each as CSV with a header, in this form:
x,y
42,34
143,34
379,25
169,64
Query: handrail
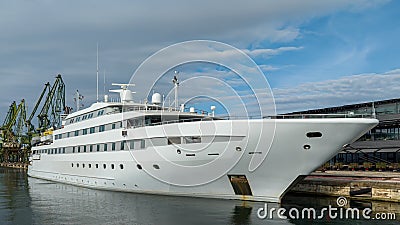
x,y
294,116
319,116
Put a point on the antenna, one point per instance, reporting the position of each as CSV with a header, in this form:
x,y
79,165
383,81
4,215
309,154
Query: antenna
x,y
176,83
104,84
124,93
78,98
97,74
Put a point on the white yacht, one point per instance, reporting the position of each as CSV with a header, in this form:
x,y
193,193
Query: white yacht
x,y
149,148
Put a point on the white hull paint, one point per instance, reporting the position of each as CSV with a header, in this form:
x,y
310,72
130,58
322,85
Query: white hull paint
x,y
284,162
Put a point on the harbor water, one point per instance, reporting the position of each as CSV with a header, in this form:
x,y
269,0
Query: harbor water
x,y
25,200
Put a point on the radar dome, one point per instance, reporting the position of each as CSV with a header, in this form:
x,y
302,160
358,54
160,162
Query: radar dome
x,y
156,99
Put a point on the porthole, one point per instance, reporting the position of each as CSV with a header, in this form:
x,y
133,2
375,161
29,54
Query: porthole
x,y
83,165
156,167
306,147
72,164
112,166
97,166
121,166
104,166
90,165
178,151
77,165
139,166
314,134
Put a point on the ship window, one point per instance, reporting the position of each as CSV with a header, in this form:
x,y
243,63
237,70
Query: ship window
x,y
113,146
142,143
77,119
104,166
156,167
84,131
72,165
68,134
121,166
91,148
174,140
314,134
98,148
97,166
90,165
139,166
83,165
63,150
59,151
120,124
76,133
84,117
101,128
79,148
101,112
92,130
113,126
84,148
105,147
132,144
71,120
192,139
77,165
123,145
112,166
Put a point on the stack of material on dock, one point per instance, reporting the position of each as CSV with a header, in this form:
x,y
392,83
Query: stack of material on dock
x,y
18,165
384,186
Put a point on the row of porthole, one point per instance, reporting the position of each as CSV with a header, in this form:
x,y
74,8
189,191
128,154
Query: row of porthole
x,y
121,166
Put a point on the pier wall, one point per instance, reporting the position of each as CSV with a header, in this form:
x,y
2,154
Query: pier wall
x,y
371,186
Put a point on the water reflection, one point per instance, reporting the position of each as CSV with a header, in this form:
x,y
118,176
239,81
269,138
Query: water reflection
x,y
67,204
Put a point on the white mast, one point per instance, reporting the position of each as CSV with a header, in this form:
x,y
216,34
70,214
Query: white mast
x,y
176,83
78,97
97,74
104,83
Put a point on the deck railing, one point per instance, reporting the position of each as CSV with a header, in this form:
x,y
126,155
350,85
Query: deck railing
x,y
320,116
291,116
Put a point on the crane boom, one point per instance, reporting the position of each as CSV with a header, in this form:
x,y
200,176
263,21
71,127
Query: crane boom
x,y
55,100
29,121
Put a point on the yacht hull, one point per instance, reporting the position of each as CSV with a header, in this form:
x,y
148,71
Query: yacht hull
x,y
258,161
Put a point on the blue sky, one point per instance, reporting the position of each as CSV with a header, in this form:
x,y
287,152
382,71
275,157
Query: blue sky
x,y
314,53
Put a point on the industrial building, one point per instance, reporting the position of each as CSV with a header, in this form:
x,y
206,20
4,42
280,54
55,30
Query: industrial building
x,y
379,149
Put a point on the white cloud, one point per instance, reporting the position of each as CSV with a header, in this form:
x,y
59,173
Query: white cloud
x,y
346,90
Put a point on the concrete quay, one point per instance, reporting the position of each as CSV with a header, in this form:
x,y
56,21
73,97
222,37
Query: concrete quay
x,y
382,186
